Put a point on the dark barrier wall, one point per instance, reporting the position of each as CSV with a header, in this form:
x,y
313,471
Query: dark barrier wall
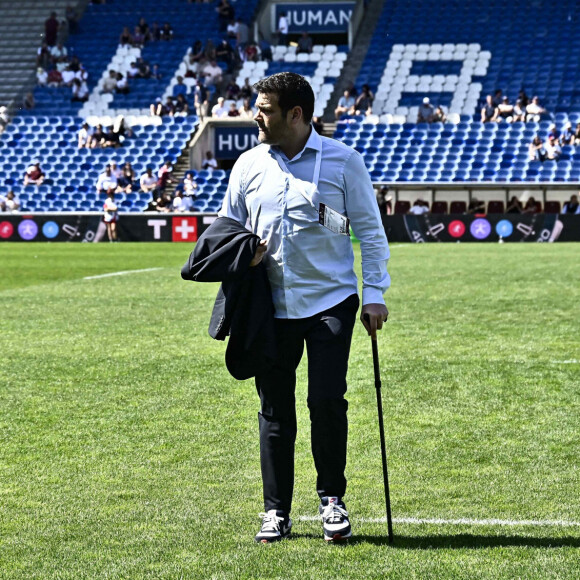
x,y
70,227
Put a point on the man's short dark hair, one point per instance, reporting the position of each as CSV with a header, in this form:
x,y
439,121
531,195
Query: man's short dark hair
x,y
292,89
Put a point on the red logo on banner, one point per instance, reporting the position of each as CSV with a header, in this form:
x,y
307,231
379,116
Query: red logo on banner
x,y
456,228
184,229
6,230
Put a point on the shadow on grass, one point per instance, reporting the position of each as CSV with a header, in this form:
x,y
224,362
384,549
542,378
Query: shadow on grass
x,y
461,541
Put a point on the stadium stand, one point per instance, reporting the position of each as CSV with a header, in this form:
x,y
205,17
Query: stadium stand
x,y
418,50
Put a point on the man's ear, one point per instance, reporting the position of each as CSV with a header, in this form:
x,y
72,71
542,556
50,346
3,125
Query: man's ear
x,y
295,114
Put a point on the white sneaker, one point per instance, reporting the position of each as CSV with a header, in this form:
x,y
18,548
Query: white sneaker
x,y
335,523
274,527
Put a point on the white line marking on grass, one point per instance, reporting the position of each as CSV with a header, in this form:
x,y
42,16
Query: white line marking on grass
x,y
122,273
460,522
572,361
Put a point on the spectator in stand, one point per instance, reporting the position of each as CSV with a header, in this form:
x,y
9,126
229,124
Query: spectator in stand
x,y
28,101
553,132
137,40
567,136
144,29
34,174
519,111
226,13
41,77
246,111
531,206
160,109
439,115
364,102
80,91
197,51
148,181
133,71
98,137
225,53
126,179
155,31
166,32
164,176
534,110
243,34
425,112
251,53
126,37
536,150
572,206
155,73
58,53
505,111
497,97
553,149
107,182
209,162
163,202
116,170
51,29
84,137
54,78
283,29
72,19
345,105
476,206
10,203
219,110
246,90
419,207
200,100
209,50
232,29
190,186
514,206
266,50
577,134
181,107
43,56
110,82
122,84
111,216
489,111
233,111
304,44
180,88
232,91
144,68
523,98
68,76
212,73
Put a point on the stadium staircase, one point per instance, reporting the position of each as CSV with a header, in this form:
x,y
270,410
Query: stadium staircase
x,y
21,30
357,55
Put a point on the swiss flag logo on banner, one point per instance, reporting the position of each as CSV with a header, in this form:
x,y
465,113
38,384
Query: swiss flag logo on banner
x,y
184,229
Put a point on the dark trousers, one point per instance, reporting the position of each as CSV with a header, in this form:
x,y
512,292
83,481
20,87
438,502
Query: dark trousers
x,y
327,336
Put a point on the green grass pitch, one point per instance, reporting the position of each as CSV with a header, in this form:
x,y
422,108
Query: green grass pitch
x,y
127,451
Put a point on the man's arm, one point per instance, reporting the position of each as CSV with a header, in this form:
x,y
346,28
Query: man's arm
x,y
365,219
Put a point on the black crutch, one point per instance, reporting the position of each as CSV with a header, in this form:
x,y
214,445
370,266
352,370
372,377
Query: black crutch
x,y
382,434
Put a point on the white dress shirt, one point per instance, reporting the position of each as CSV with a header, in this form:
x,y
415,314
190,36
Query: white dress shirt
x,y
309,267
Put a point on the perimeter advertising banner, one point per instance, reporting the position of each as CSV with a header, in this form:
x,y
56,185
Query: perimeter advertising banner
x,y
163,227
319,17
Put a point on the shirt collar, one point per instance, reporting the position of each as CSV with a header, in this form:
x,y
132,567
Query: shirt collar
x,y
313,142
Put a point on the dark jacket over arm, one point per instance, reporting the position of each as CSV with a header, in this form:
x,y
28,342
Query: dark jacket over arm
x,y
243,308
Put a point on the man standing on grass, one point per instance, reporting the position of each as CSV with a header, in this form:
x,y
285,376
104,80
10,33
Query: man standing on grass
x,y
298,191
